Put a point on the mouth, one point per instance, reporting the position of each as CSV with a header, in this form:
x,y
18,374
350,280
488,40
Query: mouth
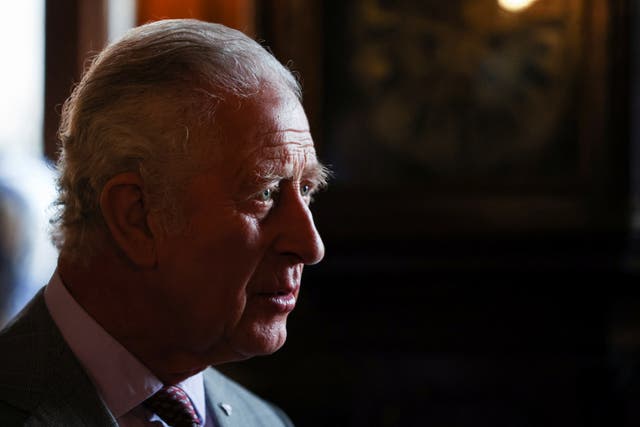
x,y
281,301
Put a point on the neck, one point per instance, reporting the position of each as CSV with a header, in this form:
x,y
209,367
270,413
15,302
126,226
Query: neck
x,y
106,292
119,297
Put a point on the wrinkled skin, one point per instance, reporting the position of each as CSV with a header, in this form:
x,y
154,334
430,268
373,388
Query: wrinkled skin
x,y
227,284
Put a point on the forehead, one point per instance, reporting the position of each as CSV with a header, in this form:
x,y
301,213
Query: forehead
x,y
266,132
267,116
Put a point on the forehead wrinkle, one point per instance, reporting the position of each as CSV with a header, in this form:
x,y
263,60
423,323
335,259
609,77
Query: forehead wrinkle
x,y
264,164
276,150
286,136
291,165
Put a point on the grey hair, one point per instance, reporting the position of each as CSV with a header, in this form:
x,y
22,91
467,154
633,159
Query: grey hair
x,y
137,108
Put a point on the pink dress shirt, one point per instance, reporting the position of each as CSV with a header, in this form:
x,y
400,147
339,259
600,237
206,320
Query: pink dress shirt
x,y
121,380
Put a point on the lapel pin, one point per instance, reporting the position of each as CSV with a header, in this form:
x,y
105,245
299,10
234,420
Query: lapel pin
x,y
226,408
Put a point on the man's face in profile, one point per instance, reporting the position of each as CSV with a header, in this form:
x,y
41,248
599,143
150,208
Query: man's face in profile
x,y
227,284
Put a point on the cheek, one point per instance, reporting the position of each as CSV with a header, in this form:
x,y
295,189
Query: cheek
x,y
229,251
218,262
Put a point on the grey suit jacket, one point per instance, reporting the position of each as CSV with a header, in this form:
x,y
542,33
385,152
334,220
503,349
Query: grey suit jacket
x,y
43,384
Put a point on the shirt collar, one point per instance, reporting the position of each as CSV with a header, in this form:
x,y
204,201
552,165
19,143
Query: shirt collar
x,y
120,378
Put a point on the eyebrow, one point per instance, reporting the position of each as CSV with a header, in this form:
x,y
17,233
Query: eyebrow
x,y
316,172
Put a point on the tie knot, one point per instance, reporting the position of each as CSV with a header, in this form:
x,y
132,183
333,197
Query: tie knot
x,y
174,407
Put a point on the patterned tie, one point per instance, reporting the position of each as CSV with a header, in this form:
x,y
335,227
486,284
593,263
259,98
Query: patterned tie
x,y
174,407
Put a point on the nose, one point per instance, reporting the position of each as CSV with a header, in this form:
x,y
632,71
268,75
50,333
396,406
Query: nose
x,y
298,235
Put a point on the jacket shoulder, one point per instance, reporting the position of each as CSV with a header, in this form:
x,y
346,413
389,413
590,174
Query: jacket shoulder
x,y
228,399
41,381
10,416
24,343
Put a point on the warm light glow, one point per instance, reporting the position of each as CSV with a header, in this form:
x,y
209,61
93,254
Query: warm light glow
x,y
515,5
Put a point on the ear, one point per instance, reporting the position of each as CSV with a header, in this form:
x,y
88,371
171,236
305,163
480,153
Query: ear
x,y
124,210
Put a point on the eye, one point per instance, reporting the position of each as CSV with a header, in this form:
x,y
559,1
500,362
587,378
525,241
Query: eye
x,y
305,190
265,195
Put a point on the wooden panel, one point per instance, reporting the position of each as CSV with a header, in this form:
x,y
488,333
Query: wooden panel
x,y
92,30
239,14
60,65
74,30
293,31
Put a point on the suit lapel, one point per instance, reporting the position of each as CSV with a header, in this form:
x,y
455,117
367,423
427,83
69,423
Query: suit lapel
x,y
216,405
234,406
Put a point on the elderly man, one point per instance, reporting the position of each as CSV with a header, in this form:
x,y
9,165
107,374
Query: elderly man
x,y
186,173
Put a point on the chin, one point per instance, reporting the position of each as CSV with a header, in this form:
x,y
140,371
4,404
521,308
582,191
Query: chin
x,y
262,340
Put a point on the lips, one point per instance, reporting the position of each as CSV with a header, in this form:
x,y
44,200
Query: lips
x,y
277,292
281,299
278,302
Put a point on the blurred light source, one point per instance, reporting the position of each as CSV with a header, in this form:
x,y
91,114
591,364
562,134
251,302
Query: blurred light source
x,y
515,5
121,17
22,76
33,181
23,172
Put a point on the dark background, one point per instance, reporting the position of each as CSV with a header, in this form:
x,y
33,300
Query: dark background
x,y
504,293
